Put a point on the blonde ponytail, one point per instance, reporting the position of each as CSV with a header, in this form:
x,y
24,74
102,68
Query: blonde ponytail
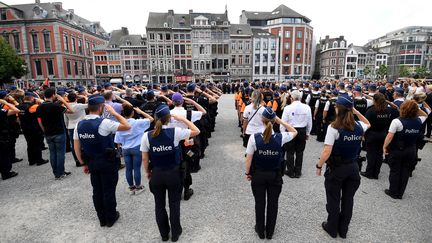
x,y
157,128
268,131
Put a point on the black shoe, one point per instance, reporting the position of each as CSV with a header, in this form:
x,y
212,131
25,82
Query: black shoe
x,y
202,156
388,193
418,159
290,175
297,175
16,160
368,176
165,238
31,164
188,194
174,238
110,224
342,235
44,161
324,226
269,236
66,173
102,223
260,234
9,175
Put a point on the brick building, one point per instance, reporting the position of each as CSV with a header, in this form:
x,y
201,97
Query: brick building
x,y
296,39
332,57
55,42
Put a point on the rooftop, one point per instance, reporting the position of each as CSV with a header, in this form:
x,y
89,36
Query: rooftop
x,y
280,12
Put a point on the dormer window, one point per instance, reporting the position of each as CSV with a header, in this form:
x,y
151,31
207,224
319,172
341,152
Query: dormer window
x,y
166,25
335,44
342,44
213,23
225,23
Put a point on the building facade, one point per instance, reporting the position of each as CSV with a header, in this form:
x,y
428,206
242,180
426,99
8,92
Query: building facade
x,y
296,39
265,56
332,57
55,43
360,63
410,46
241,52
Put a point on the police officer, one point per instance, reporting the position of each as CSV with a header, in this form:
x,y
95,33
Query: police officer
x,y
400,145
311,100
380,116
341,146
398,96
5,138
33,134
318,116
162,162
264,165
95,148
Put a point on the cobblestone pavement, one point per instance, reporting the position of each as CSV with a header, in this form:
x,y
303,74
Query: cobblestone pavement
x,y
36,208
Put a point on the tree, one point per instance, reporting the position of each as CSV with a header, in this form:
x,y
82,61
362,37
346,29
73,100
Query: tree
x,y
382,70
366,71
404,71
421,72
11,65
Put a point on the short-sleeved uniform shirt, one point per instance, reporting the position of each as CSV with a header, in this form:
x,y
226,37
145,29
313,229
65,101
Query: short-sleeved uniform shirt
x,y
396,124
333,134
180,111
106,128
255,124
251,146
179,134
132,138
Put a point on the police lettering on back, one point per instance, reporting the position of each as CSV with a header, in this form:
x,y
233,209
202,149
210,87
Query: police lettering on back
x,y
268,152
86,136
162,148
352,138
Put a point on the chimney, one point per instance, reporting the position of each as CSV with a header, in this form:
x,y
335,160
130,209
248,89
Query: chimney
x,y
125,30
37,1
190,11
58,6
71,11
171,12
341,37
327,37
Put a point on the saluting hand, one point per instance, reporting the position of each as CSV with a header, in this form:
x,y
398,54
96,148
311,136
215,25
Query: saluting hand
x,y
110,109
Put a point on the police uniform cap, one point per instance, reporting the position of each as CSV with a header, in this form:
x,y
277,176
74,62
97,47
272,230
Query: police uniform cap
x,y
130,85
335,92
341,85
349,87
399,90
30,94
3,94
106,85
120,86
269,113
203,87
276,95
245,84
162,111
283,88
372,87
382,90
328,86
80,89
164,88
96,100
150,93
177,97
13,87
345,100
316,86
358,89
61,92
190,87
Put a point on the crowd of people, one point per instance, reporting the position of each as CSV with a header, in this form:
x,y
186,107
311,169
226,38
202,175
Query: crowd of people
x,y
389,120
164,130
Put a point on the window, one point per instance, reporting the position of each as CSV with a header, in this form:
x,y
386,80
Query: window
x,y
196,65
136,65
257,69
299,34
247,45
80,47
341,53
264,44
202,66
128,65
264,70
50,67
152,51
257,45
342,44
161,51
287,34
88,48
298,57
3,15
68,67
286,58
168,51
38,66
47,41
104,69
333,61
287,45
35,41
188,50
90,65
332,71
272,70
167,36
240,45
76,68
126,53
151,36
298,45
333,53
335,44
6,37
247,59
73,45
160,36
16,40
240,60
341,61
135,52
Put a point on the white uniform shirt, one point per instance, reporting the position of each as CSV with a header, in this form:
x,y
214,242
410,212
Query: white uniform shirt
x,y
180,111
396,124
71,119
106,128
333,134
298,115
251,146
179,134
255,124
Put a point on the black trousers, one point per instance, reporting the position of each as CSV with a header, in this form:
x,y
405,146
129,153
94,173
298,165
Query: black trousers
x,y
266,188
401,165
160,183
341,185
245,139
34,146
295,148
321,129
104,181
5,162
429,126
11,151
374,152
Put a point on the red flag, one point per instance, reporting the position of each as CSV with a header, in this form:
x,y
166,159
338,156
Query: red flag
x,y
46,82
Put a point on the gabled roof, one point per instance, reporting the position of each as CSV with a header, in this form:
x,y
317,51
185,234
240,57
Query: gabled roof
x,y
56,11
134,40
280,12
218,18
166,20
240,30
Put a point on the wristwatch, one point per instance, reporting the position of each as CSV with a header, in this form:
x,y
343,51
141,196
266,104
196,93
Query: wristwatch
x,y
318,167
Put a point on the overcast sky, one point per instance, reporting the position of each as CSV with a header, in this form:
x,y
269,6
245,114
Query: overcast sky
x,y
358,21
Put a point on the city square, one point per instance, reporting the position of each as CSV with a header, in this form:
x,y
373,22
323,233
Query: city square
x,y
35,207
